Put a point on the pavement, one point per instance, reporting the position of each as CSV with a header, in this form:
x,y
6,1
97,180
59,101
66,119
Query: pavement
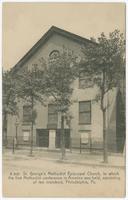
x,y
74,157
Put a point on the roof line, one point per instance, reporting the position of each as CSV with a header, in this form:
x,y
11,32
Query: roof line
x,y
45,37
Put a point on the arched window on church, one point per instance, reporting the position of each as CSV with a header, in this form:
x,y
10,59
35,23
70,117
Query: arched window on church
x,y
54,55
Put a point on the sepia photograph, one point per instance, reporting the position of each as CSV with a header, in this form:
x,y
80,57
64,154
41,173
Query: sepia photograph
x,y
63,99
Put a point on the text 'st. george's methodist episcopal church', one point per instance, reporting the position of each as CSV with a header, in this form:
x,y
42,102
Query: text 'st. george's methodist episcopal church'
x,y
86,120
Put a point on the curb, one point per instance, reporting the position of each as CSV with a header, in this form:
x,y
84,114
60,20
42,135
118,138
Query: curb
x,y
91,164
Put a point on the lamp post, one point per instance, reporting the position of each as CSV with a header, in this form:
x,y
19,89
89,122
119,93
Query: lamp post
x,y
62,136
17,122
16,136
69,117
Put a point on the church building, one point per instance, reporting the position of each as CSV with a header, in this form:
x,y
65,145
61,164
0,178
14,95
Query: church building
x,y
86,125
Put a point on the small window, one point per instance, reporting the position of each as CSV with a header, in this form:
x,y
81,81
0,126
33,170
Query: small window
x,y
52,114
85,81
84,138
27,113
26,134
54,55
85,112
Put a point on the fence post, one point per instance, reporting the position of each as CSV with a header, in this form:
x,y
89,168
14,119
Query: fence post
x,y
90,143
70,144
80,144
13,148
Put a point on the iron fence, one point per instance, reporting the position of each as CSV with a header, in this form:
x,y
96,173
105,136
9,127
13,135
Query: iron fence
x,y
71,144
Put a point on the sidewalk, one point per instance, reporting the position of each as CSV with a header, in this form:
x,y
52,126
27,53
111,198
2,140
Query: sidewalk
x,y
85,158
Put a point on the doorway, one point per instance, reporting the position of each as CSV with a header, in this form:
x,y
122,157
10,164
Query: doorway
x,y
42,137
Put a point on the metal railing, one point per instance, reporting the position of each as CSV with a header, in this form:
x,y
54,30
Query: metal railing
x,y
71,144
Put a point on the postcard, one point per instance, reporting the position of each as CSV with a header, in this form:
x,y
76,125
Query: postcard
x,y
63,90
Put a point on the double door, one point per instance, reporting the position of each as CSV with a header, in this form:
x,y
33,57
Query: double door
x,y
52,138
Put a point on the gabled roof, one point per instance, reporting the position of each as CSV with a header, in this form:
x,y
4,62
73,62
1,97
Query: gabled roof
x,y
45,37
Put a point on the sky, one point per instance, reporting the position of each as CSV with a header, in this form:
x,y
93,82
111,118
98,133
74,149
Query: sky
x,y
23,24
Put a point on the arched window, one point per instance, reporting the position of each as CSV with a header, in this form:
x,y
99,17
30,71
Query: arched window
x,y
54,55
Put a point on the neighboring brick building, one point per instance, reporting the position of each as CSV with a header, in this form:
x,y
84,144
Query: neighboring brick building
x,y
87,115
